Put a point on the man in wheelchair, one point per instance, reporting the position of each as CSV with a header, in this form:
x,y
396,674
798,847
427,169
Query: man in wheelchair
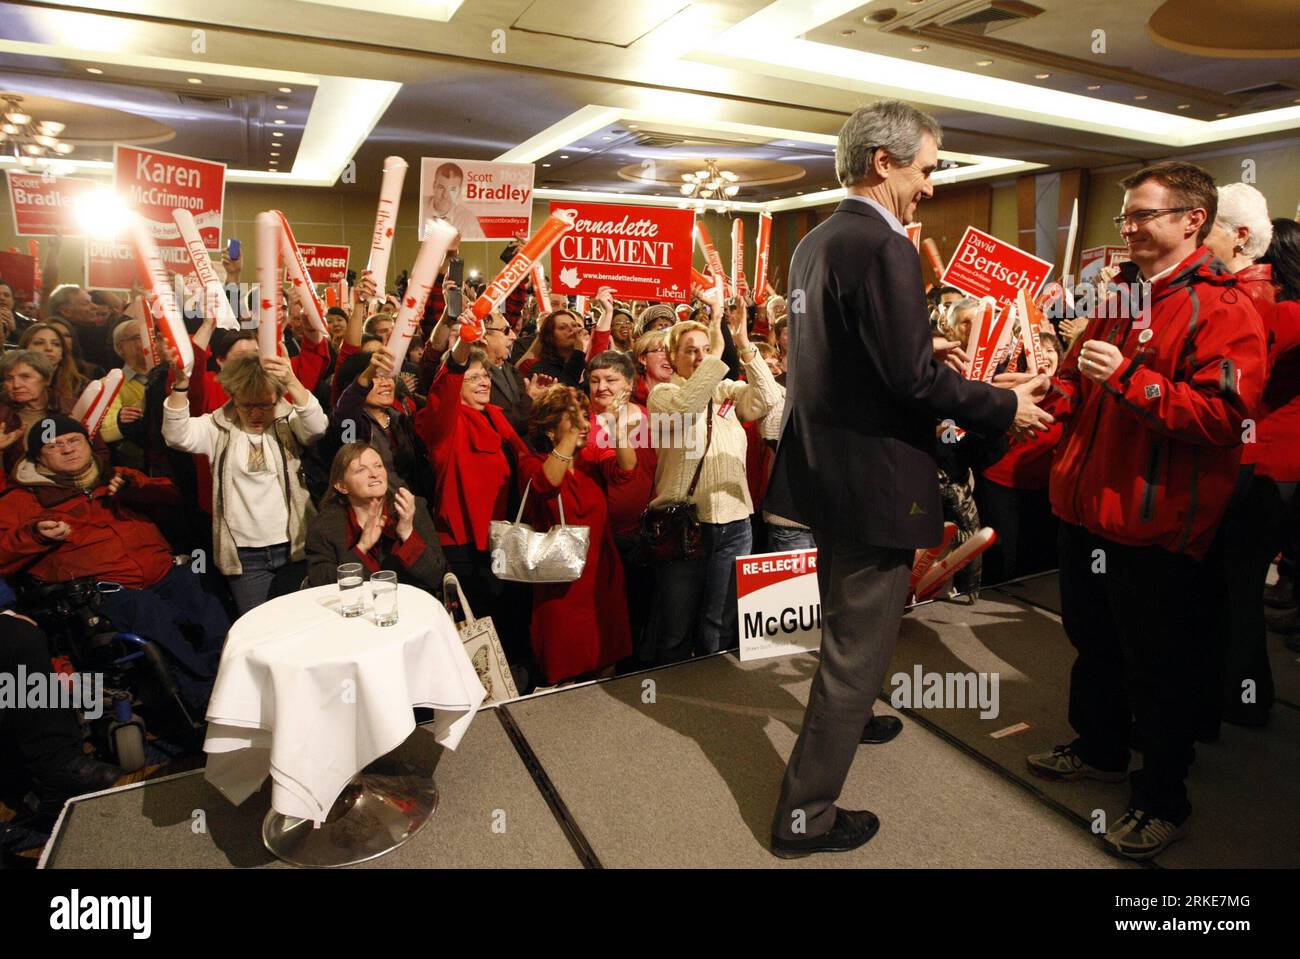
x,y
66,515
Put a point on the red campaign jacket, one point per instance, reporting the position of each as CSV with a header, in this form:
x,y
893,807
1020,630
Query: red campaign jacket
x,y
1150,457
467,450
109,539
1276,450
1027,464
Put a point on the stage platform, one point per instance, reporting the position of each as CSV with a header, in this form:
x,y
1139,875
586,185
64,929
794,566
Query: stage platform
x,y
680,767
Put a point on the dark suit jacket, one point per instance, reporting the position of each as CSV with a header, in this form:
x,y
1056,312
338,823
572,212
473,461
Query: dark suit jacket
x,y
508,392
864,390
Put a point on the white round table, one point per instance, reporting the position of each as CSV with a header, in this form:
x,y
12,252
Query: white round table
x,y
312,698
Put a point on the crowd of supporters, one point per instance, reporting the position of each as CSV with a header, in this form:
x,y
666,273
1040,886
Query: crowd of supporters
x,y
278,469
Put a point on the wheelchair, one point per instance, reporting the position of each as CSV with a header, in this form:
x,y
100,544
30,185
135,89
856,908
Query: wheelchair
x,y
138,681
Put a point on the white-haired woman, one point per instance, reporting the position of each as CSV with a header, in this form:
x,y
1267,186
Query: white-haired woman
x,y
255,443
1241,233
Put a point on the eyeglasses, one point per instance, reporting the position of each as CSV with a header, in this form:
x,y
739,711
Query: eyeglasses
x,y
658,349
1143,217
258,407
67,443
505,330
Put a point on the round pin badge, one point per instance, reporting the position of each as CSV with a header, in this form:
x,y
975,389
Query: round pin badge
x,y
1146,335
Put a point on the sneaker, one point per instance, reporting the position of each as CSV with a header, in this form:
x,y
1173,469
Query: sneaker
x,y
1140,835
1063,764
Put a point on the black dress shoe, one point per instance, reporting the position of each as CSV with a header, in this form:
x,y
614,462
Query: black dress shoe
x,y
851,830
82,773
881,729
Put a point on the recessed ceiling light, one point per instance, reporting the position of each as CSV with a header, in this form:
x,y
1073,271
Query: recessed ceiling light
x,y
282,106
983,63
633,126
193,80
607,138
279,123
275,154
1141,96
94,70
276,133
285,90
920,48
1184,106
1094,86
545,164
564,156
1220,115
1041,76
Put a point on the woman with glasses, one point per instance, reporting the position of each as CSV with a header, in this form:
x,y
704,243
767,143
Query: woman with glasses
x,y
652,366
255,443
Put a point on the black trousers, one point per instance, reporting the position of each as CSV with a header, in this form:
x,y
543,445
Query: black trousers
x,y
1250,535
1026,529
45,738
1140,660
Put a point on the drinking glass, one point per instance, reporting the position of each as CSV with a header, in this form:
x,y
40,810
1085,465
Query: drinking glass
x,y
352,598
383,592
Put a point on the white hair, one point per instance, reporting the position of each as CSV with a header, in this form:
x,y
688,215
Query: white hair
x,y
1240,204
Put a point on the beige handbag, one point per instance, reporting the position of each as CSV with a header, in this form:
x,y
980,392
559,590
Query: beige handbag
x,y
481,646
523,555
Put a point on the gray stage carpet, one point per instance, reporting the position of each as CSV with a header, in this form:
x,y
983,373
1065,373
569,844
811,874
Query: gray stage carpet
x,y
1244,789
149,825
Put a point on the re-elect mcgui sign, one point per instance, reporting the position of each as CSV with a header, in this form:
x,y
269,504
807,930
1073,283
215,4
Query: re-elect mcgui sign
x,y
778,605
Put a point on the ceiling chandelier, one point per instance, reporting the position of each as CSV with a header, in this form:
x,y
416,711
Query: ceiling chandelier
x,y
710,184
27,139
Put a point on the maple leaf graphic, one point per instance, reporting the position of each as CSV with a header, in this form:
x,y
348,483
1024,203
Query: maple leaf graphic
x,y
388,232
569,276
410,302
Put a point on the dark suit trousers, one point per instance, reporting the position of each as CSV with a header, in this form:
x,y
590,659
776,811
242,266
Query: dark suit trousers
x,y
863,593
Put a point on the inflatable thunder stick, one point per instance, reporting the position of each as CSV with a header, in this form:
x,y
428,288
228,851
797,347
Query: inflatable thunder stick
x,y
162,294
345,295
987,335
1030,321
925,558
99,403
300,280
760,264
268,235
954,563
738,257
540,292
143,319
556,225
441,235
381,243
932,251
710,251
214,294
331,297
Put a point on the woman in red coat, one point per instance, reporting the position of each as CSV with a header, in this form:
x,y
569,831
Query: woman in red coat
x,y
475,454
579,628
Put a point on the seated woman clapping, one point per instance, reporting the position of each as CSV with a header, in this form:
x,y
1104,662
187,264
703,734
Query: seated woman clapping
x,y
366,520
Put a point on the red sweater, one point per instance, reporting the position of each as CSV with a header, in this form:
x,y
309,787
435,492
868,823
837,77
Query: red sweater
x,y
467,449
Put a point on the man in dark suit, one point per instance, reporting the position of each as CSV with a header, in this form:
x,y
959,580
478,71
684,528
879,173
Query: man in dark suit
x,y
866,386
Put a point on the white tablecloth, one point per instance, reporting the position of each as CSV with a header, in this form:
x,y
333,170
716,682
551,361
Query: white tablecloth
x,y
312,698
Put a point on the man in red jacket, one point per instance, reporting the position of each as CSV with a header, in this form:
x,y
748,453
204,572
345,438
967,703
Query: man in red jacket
x,y
67,515
1156,398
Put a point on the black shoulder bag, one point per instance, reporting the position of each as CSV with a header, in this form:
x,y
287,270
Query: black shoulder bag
x,y
672,532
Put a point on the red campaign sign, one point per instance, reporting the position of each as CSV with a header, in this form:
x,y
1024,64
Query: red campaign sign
x,y
154,183
19,271
642,252
983,265
325,264
46,206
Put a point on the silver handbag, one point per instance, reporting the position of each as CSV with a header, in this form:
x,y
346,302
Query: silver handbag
x,y
523,555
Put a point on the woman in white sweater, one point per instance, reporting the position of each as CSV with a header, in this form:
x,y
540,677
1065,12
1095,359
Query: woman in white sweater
x,y
695,600
260,503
